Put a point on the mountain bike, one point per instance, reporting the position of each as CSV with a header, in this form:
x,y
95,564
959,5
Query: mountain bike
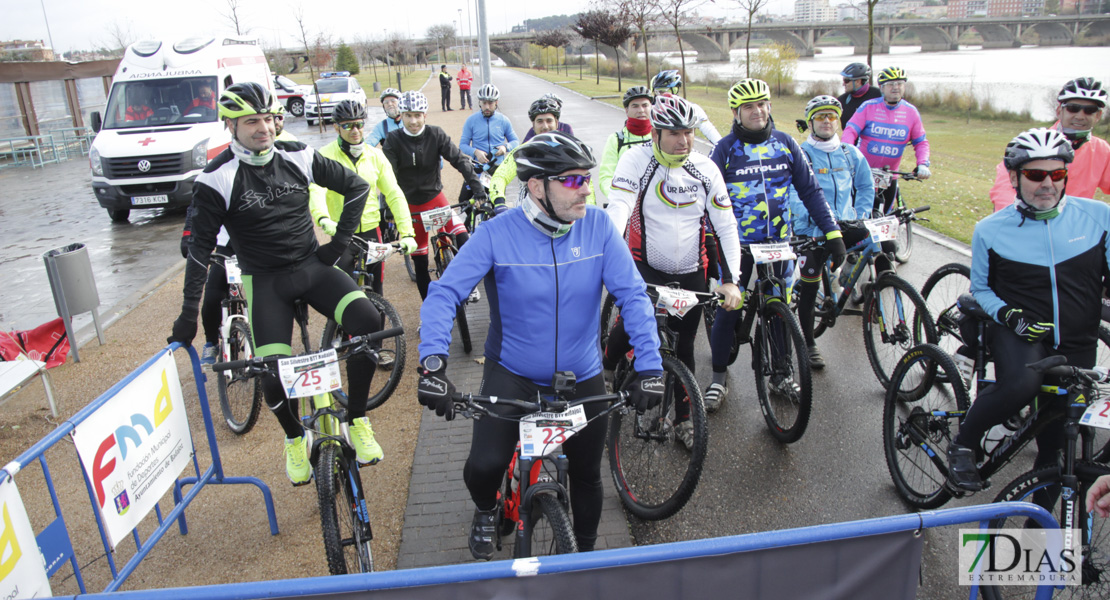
x,y
314,379
941,291
925,404
390,234
895,317
884,178
654,474
533,499
391,354
240,392
443,247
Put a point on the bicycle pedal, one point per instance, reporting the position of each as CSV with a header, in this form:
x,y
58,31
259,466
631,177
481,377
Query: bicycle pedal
x,y
852,311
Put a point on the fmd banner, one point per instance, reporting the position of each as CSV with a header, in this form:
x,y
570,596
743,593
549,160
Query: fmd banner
x,y
135,445
22,571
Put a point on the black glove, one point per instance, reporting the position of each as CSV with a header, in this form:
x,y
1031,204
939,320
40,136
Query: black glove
x,y
186,237
330,252
837,251
184,330
646,390
433,388
479,195
1025,325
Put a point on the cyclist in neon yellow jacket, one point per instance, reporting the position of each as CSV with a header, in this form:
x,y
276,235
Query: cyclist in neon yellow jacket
x,y
637,130
369,163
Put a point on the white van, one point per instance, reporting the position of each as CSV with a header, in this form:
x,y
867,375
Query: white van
x,y
161,125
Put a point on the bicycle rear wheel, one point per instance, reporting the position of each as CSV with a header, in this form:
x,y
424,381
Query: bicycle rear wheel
x,y
240,393
918,425
940,293
552,532
782,375
443,259
895,319
343,512
654,473
1042,487
609,314
391,352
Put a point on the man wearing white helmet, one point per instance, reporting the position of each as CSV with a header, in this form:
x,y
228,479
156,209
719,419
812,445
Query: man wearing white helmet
x,y
1080,106
391,99
666,83
487,136
1038,268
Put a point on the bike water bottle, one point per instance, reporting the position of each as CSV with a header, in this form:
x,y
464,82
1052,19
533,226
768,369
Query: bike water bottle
x,y
846,269
999,433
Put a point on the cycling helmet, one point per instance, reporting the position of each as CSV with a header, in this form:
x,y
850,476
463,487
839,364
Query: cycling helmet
x,y
488,93
543,106
665,81
823,103
348,110
387,92
856,71
892,74
1037,144
638,91
748,90
412,101
554,98
277,108
1084,88
243,99
673,112
552,153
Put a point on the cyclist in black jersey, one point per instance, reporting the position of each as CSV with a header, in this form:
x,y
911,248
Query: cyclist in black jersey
x,y
258,189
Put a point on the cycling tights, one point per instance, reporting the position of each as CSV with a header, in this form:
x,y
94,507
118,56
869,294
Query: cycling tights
x,y
270,300
494,440
215,290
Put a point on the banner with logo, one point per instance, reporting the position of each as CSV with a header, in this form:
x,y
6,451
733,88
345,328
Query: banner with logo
x,y
135,445
22,572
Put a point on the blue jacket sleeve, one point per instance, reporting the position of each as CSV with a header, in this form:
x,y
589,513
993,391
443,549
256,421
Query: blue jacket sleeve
x,y
510,135
437,315
801,177
980,271
799,216
377,134
466,140
718,156
624,282
865,185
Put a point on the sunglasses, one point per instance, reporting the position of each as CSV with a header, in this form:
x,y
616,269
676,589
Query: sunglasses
x,y
352,125
572,182
825,117
1086,108
847,81
1038,175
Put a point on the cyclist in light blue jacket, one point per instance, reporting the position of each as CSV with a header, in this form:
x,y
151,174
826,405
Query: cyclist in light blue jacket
x,y
487,135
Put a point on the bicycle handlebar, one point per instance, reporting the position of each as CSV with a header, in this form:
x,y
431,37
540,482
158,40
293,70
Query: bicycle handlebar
x,y
263,363
543,404
1057,365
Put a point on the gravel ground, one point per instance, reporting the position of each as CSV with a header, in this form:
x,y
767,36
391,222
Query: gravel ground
x,y
228,539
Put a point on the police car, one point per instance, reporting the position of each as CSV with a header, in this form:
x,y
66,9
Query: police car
x,y
334,87
291,95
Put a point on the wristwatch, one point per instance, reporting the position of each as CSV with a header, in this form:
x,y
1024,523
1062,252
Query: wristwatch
x,y
433,363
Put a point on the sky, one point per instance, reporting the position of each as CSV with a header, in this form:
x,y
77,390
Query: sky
x,y
84,24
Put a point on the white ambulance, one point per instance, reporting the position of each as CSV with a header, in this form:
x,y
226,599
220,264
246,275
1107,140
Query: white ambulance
x,y
161,125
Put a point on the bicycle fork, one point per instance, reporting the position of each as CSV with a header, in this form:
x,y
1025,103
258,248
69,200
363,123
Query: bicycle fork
x,y
527,491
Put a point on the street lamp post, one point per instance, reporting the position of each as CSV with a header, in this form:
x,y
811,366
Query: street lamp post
x,y
457,35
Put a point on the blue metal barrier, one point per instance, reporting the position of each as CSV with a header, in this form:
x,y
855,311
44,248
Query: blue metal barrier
x,y
505,569
54,540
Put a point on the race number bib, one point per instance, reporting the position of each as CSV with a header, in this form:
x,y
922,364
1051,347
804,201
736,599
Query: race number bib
x,y
675,301
1097,415
542,433
882,178
486,180
882,229
311,374
234,273
376,253
771,253
434,219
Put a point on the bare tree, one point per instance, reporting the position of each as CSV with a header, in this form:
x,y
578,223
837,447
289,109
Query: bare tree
x,y
677,13
234,17
592,25
554,38
640,14
870,28
615,36
298,15
118,36
441,35
365,48
750,7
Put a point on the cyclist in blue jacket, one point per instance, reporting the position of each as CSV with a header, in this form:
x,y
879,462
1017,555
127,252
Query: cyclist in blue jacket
x,y
487,135
544,264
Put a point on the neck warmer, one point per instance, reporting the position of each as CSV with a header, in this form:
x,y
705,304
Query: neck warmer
x,y
670,161
753,137
1076,137
411,134
354,151
260,159
542,221
1028,211
828,145
638,126
861,91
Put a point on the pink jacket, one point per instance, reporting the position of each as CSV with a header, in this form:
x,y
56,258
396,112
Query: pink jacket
x,y
1090,170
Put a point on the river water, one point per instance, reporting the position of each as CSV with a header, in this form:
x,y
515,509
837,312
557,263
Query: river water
x,y
1016,79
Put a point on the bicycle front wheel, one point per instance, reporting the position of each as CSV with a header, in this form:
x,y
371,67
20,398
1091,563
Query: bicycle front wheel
x,y
390,353
940,293
782,375
654,473
895,319
824,307
552,532
903,242
1043,487
921,416
240,393
339,491
443,260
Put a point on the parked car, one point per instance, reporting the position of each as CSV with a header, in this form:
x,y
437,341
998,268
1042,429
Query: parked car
x,y
291,94
334,87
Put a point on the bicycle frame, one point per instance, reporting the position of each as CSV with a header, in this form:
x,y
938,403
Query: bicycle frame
x,y
866,249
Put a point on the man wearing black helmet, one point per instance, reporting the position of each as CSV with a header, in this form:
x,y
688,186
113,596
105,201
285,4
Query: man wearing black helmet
x,y
552,106
540,325
636,131
857,90
258,189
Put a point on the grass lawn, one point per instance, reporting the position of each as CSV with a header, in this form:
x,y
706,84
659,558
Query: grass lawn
x,y
963,152
365,78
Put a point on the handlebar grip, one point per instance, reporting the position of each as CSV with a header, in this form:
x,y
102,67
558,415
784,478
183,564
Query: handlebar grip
x,y
921,209
383,334
232,365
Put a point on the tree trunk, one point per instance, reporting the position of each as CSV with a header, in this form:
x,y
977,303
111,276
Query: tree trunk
x,y
870,29
615,49
647,60
597,64
682,57
748,48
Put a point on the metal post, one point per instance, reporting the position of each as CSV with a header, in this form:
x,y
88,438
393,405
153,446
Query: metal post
x,y
470,30
483,43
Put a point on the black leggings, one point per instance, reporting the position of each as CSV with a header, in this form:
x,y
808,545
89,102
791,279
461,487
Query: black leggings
x,y
331,292
494,440
1015,387
347,261
215,290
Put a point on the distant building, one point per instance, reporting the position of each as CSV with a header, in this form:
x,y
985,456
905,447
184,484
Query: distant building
x,y
848,12
811,11
962,9
34,50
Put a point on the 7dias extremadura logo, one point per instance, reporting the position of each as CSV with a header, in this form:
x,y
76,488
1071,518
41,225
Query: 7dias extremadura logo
x,y
1019,557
